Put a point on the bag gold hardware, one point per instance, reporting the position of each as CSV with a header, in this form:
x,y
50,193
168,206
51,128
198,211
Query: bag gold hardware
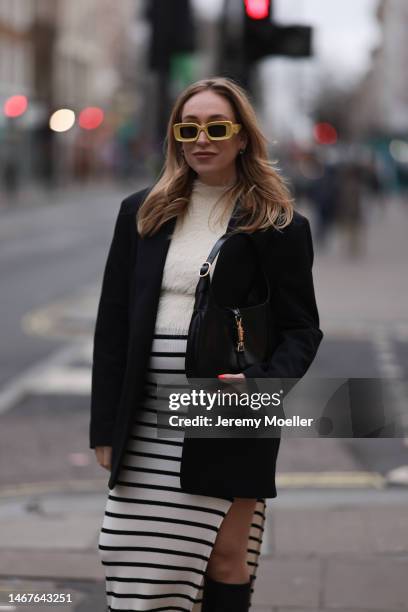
x,y
240,330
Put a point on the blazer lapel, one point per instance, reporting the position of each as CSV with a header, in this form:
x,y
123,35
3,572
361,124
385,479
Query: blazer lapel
x,y
150,259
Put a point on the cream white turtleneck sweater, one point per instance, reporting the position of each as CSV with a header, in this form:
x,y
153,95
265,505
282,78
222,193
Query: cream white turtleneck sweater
x,y
190,245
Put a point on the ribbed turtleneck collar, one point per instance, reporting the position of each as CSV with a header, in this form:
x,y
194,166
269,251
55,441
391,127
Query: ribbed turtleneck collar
x,y
209,190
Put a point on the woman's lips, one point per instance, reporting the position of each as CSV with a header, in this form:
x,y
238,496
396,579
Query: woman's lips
x,y
204,155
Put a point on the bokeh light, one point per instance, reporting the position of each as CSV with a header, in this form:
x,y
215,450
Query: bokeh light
x,y
91,117
257,9
15,106
325,133
62,120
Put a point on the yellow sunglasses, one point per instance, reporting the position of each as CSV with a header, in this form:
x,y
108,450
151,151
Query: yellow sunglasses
x,y
215,130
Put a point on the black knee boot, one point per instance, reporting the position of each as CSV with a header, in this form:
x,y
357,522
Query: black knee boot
x,y
224,597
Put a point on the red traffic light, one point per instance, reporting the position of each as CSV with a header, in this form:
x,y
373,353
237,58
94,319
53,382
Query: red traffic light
x,y
257,9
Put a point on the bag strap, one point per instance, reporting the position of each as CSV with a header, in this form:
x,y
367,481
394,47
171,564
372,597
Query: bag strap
x,y
206,266
203,285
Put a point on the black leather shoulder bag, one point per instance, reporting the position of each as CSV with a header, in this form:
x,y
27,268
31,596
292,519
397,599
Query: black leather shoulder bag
x,y
226,339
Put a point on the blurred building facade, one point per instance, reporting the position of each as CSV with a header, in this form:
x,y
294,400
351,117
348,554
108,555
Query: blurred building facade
x,y
68,55
15,46
92,38
93,50
15,61
80,53
380,103
16,77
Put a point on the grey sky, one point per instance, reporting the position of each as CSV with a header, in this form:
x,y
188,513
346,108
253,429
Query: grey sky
x,y
345,31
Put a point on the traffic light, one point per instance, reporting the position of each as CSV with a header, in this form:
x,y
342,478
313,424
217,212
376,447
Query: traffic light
x,y
263,37
172,31
258,9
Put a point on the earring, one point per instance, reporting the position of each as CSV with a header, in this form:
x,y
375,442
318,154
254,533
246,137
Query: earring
x,y
241,151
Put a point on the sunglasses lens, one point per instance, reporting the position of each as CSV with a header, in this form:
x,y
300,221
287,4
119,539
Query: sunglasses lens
x,y
188,131
217,130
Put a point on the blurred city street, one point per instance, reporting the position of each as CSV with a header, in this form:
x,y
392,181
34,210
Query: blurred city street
x,y
86,88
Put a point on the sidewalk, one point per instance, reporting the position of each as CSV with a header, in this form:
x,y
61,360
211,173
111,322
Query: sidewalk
x,y
342,550
368,293
323,550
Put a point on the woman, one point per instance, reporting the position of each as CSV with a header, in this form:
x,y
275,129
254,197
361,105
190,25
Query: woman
x,y
165,547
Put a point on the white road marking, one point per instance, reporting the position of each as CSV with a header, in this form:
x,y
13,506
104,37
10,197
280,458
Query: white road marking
x,y
51,375
398,476
396,389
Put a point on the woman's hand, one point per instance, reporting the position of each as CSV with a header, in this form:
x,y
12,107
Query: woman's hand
x,y
104,456
224,376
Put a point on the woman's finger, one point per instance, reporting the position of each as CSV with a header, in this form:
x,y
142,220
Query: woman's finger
x,y
103,456
108,457
223,376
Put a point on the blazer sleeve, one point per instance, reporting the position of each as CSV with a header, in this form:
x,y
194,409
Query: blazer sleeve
x,y
111,334
294,305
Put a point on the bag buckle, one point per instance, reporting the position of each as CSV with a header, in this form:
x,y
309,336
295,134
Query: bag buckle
x,y
207,270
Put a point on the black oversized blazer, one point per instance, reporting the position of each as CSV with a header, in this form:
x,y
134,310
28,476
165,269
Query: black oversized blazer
x,y
125,327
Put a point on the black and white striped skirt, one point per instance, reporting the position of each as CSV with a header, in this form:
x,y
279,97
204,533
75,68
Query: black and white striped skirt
x,y
156,540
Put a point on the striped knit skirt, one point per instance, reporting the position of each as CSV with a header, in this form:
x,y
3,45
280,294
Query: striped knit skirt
x,y
156,540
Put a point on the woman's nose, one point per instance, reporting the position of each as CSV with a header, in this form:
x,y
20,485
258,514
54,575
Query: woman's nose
x,y
202,137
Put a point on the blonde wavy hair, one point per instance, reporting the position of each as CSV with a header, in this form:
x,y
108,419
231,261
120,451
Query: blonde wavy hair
x,y
265,198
